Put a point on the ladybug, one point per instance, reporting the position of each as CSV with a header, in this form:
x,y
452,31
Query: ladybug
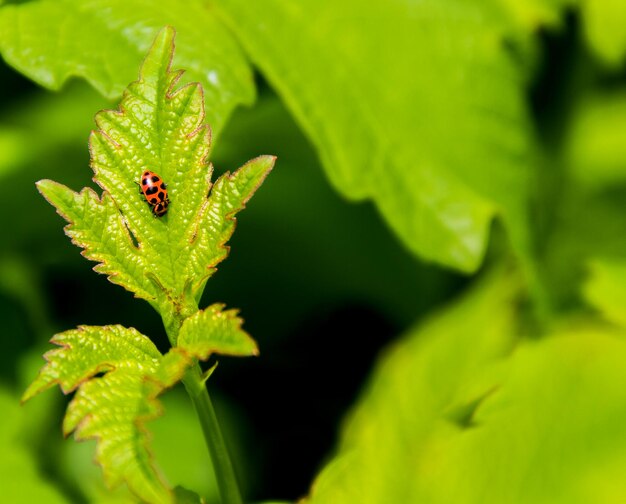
x,y
155,192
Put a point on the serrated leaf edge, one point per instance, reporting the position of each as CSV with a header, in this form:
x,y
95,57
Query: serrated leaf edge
x,y
230,216
84,250
232,314
139,422
47,356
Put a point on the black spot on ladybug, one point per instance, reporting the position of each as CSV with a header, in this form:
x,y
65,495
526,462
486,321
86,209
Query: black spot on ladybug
x,y
152,190
144,182
155,179
163,185
161,196
153,201
160,209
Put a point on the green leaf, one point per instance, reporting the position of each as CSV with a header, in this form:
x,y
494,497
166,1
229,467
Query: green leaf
x,y
117,374
215,330
104,41
606,289
438,160
554,430
162,129
456,412
216,224
603,23
87,351
114,407
114,250
581,212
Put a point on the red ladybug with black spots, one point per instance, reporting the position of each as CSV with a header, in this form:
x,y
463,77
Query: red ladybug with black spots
x,y
155,191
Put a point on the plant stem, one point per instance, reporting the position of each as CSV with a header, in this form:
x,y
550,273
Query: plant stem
x,y
222,466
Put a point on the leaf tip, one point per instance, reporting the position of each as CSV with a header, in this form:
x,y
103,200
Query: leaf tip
x,y
28,394
45,185
160,54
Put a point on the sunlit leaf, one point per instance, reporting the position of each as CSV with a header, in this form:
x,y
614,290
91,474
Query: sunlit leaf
x,y
215,330
417,106
161,129
111,408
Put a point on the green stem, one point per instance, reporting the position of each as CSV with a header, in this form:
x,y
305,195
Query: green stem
x,y
222,466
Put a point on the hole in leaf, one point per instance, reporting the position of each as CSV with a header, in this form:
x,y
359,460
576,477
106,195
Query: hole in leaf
x,y
131,234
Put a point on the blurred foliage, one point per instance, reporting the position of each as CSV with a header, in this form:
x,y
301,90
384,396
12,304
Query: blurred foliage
x,y
444,115
21,482
104,42
370,126
504,420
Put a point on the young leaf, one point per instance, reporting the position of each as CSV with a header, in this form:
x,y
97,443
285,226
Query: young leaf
x,y
214,330
103,41
114,407
161,129
216,225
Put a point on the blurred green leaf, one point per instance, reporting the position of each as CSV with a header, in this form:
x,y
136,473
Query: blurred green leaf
x,y
40,124
553,431
77,463
587,225
20,280
104,41
20,480
603,22
595,146
450,417
184,459
535,13
412,391
606,289
384,94
13,149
